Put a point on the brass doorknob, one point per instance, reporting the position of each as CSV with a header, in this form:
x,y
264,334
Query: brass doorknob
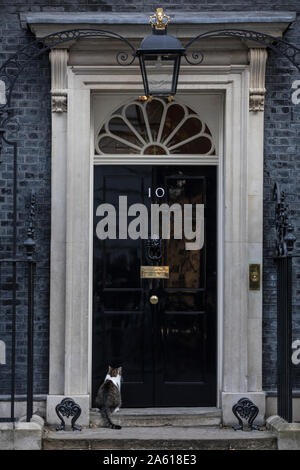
x,y
153,299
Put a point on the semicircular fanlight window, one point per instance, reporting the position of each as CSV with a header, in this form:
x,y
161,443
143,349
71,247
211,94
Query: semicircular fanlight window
x,y
154,128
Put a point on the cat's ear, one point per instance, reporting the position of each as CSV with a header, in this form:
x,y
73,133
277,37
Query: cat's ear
x,y
120,370
109,369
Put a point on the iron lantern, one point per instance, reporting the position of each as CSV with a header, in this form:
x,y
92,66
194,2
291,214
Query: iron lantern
x,y
160,56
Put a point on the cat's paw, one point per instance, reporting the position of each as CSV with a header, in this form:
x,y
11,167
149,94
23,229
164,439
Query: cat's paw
x,y
116,410
116,426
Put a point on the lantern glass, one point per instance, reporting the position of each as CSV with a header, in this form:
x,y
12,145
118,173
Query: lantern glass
x,y
160,73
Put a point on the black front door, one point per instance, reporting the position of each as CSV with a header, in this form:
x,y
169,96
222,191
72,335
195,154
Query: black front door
x,y
167,350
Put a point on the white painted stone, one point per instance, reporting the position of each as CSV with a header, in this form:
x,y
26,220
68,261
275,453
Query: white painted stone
x,y
22,435
230,399
184,25
20,408
236,253
255,220
6,436
38,419
255,160
58,254
59,60
2,92
255,205
71,275
28,436
257,58
254,301
235,318
78,233
288,434
2,352
255,347
254,252
82,400
35,419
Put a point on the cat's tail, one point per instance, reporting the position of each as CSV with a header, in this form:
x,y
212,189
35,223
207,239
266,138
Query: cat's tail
x,y
107,419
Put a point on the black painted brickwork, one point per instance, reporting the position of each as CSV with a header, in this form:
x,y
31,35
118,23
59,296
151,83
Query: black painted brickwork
x,y
282,163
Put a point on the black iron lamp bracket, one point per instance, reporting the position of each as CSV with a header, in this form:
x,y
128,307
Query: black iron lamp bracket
x,y
281,47
12,68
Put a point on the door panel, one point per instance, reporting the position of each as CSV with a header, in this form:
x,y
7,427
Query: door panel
x,y
186,361
167,350
120,326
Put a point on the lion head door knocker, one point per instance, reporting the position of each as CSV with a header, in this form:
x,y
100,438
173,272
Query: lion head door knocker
x,y
67,407
153,250
245,409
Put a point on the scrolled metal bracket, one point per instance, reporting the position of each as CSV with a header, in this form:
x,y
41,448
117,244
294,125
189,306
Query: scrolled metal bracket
x,y
284,48
13,67
125,58
67,407
245,409
194,57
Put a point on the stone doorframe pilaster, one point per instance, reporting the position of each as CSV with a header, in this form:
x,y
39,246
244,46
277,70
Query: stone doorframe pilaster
x,y
240,224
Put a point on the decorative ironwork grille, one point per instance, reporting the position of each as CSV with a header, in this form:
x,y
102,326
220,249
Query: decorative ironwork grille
x,y
155,128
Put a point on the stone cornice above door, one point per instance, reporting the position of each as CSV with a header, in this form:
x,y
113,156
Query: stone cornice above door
x,y
216,50
183,25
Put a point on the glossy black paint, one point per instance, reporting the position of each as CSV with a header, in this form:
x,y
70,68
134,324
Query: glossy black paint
x,y
168,350
160,45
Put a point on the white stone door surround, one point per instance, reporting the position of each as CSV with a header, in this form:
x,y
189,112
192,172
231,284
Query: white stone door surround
x,y
240,240
232,67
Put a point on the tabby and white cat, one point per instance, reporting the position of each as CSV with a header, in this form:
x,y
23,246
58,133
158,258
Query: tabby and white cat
x,y
108,397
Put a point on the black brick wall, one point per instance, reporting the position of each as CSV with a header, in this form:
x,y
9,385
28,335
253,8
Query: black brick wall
x,y
282,164
31,97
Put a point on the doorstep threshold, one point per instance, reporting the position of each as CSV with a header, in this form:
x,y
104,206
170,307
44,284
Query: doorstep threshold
x,y
153,417
166,411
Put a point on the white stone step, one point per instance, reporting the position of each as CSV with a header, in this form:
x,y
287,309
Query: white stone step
x,y
160,438
153,417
